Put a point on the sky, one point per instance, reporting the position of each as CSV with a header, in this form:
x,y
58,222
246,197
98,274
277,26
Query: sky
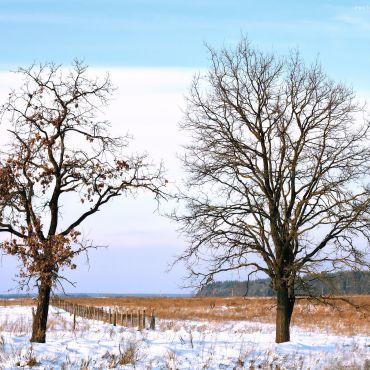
x,y
152,48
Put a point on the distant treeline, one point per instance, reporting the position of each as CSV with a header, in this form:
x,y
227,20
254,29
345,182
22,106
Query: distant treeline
x,y
343,283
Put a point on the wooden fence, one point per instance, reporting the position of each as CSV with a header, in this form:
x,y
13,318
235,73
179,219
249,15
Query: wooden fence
x,y
118,316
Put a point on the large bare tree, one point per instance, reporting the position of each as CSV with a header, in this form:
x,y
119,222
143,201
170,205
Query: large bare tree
x,y
277,173
60,155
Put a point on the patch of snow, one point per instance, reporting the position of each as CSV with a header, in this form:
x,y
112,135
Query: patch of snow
x,y
174,345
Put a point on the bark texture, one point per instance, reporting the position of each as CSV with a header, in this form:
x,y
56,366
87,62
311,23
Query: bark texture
x,y
40,318
285,305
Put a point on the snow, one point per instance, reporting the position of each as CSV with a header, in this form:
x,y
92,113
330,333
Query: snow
x,y
173,345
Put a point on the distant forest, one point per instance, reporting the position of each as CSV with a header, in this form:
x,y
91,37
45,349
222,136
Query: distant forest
x,y
343,283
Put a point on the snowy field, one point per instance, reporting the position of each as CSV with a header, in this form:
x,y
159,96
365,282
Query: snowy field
x,y
173,345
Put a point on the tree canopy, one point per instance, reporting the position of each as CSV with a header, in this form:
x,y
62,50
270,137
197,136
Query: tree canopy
x,y
277,172
61,156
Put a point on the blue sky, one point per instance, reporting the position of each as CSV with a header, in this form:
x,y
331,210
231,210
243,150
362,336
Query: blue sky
x,y
152,48
168,33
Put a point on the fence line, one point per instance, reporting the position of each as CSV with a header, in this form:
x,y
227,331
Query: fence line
x,y
122,316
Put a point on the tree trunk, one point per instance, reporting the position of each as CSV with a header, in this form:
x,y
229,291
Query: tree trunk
x,y
285,304
40,318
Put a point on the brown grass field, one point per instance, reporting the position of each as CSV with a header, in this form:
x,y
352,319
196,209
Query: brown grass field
x,y
343,319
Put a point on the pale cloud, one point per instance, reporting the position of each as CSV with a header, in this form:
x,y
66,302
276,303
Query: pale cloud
x,y
362,8
357,16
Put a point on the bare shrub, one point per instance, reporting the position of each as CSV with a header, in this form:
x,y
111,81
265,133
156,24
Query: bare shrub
x,y
367,364
30,360
85,364
127,355
171,361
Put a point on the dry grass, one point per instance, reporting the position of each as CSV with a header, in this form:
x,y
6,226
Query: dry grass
x,y
21,326
128,354
343,320
17,302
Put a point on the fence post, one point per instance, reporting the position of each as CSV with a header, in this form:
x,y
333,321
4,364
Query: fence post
x,y
74,320
122,316
152,321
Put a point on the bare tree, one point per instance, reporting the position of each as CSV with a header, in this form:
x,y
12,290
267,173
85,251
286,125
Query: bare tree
x,y
60,154
277,173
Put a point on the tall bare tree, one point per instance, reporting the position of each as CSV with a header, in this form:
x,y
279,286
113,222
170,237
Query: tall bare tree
x,y
278,173
60,154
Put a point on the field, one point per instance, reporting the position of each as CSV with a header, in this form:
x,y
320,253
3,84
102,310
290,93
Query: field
x,y
191,333
306,315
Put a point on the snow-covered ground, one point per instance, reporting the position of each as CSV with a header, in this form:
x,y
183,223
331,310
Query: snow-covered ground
x,y
173,345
